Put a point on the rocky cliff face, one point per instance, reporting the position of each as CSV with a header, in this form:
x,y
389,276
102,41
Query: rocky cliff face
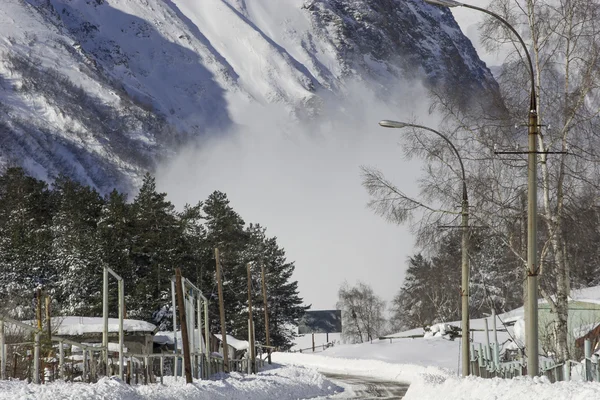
x,y
103,89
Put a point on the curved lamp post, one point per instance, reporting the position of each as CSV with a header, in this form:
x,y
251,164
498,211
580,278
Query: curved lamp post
x,y
464,292
531,316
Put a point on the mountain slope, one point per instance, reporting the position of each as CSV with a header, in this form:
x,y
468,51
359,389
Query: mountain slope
x,y
104,89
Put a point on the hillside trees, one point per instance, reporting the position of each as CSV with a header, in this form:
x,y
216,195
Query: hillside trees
x,y
153,251
58,238
25,239
430,291
285,305
76,254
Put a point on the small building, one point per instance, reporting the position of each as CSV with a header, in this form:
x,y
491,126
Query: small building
x,y
236,348
583,321
138,335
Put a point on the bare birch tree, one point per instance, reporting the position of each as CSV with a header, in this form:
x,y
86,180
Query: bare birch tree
x,y
362,313
564,40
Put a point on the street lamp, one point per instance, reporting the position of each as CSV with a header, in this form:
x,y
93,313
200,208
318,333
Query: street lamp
x,y
531,316
464,292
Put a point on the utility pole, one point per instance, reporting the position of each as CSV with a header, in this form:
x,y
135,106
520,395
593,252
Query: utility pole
x,y
183,322
222,314
266,306
251,322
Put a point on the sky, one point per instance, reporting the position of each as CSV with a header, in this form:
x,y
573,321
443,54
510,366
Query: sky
x,y
303,183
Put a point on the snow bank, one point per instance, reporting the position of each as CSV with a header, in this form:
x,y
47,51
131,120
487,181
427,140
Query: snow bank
x,y
278,382
430,382
524,388
369,368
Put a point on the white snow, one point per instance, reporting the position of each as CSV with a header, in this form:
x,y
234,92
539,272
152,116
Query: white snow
x,y
430,365
80,325
73,326
278,382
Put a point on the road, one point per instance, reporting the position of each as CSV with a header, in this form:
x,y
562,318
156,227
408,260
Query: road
x,y
367,388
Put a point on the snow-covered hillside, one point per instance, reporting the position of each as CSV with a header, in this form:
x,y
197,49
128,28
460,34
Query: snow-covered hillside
x,y
104,89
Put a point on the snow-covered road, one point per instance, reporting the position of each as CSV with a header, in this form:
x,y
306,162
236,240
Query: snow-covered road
x,y
361,387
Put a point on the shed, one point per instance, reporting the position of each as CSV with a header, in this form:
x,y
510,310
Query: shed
x,y
236,347
138,335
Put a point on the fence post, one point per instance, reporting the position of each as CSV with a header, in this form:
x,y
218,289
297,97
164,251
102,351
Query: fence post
x,y
61,360
206,338
105,319
2,352
121,293
84,365
162,366
36,359
567,371
588,361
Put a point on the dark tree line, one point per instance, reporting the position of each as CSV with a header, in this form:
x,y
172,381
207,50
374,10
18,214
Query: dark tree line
x,y
58,237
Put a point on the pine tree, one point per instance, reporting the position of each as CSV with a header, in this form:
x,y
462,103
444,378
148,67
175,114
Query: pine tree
x,y
25,217
76,253
225,230
285,304
153,252
115,237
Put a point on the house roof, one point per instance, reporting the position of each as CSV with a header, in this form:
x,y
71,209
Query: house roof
x,y
235,343
74,326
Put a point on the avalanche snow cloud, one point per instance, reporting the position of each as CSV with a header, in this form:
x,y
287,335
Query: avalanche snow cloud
x,y
302,181
103,90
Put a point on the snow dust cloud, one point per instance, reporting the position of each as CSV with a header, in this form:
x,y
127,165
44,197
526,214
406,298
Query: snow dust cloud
x,y
302,181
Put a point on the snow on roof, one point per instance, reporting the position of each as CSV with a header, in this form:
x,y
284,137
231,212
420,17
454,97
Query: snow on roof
x,y
587,295
235,343
73,326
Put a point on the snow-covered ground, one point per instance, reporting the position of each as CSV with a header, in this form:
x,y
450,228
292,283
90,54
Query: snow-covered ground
x,y
278,382
430,366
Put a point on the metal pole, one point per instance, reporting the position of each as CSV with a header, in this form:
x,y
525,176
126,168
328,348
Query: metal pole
x,y
162,367
2,352
222,314
496,344
206,338
61,360
199,335
36,358
587,352
105,316
250,321
266,306
531,334
466,363
184,327
121,288
174,308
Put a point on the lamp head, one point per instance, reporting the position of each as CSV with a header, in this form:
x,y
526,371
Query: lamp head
x,y
392,124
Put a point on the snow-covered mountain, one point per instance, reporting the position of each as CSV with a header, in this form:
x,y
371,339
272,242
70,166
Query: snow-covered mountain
x,y
104,89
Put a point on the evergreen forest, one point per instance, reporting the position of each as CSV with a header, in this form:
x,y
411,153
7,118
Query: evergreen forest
x,y
58,236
